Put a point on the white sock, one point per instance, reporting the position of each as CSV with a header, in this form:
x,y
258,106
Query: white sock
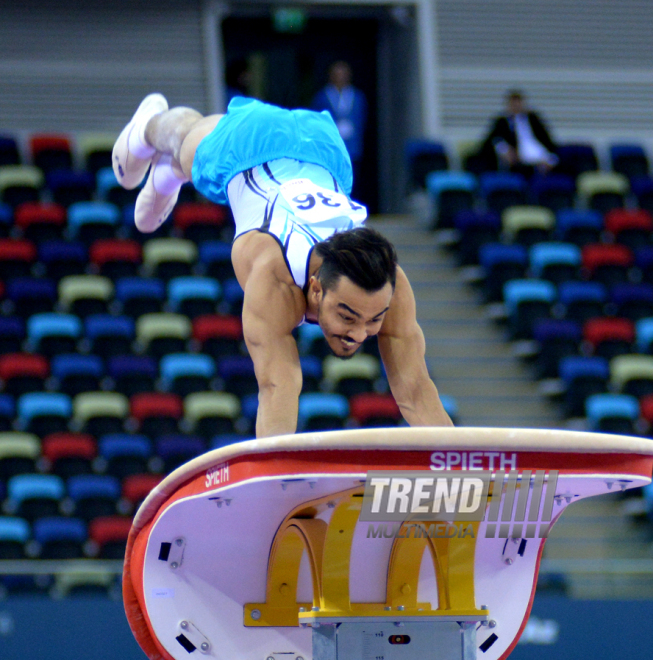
x,y
164,178
136,141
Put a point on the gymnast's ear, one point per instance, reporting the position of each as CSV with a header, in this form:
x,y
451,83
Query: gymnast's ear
x,y
315,289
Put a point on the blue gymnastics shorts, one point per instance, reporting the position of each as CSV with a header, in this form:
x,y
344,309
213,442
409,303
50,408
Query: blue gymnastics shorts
x,y
253,133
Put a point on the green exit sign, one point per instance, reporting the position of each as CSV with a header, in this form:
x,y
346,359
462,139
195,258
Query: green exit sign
x,y
289,19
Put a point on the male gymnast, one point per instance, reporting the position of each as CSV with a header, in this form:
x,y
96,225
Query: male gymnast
x,y
300,252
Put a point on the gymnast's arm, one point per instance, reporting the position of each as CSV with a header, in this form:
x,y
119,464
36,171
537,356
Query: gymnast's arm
x,y
268,321
402,347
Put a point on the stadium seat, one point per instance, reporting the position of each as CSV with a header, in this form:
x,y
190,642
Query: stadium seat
x,y
136,487
156,413
609,264
68,454
100,413
527,301
193,296
167,258
233,296
237,372
642,188
311,341
70,188
84,295
225,439
211,413
527,225
62,258
199,222
576,159
93,495
115,258
612,413
311,373
74,373
603,191
218,335
20,184
183,373
40,222
14,534
91,221
646,411
60,538
422,158
644,335
23,372
53,333
132,374
450,406
95,150
30,295
6,219
500,190
12,334
215,257
582,301
629,160
451,192
356,375
249,410
632,301
630,227
322,411
374,410
579,227
19,453
556,262
632,374
109,533
51,152
475,229
557,339
109,190
43,412
124,454
108,335
609,337
139,295
82,584
644,263
554,191
160,334
175,450
16,258
9,153
7,413
33,496
582,377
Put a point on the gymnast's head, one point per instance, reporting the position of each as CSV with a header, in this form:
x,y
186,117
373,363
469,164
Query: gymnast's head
x,y
353,287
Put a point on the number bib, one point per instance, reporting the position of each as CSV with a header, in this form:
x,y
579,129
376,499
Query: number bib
x,y
313,204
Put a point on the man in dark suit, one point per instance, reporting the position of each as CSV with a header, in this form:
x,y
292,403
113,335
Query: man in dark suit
x,y
518,141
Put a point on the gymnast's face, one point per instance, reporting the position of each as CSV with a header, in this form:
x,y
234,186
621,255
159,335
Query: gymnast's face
x,y
348,315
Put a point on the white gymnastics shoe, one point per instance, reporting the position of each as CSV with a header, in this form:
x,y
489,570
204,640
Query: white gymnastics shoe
x,y
131,154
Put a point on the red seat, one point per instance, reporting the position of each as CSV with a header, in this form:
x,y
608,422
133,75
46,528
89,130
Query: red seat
x,y
214,326
44,141
597,254
68,454
39,213
110,533
156,413
617,220
136,487
23,364
113,251
371,409
197,213
16,257
646,407
609,336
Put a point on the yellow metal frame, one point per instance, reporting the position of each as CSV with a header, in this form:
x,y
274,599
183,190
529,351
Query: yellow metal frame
x,y
328,548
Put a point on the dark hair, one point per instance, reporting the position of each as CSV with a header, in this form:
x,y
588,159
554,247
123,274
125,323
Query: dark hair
x,y
363,255
516,94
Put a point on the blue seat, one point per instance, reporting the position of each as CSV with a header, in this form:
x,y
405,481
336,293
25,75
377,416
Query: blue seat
x,y
475,229
60,538
13,531
132,373
176,450
450,406
311,372
105,180
125,454
557,339
582,300
193,296
216,258
629,160
613,413
237,371
423,157
34,495
492,182
527,301
233,296
69,188
556,262
52,333
555,191
307,336
581,227
322,411
576,158
44,412
31,295
438,182
109,335
249,408
452,193
12,334
77,373
94,495
500,264
226,439
7,411
140,295
62,258
632,301
582,377
644,335
91,215
184,373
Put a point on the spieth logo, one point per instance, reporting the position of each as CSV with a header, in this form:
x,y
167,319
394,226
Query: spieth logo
x,y
219,474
